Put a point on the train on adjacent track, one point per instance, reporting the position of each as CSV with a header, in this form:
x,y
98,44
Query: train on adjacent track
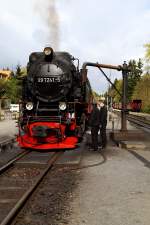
x,y
56,101
134,106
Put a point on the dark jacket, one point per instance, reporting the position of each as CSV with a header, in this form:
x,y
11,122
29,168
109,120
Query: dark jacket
x,y
94,117
103,116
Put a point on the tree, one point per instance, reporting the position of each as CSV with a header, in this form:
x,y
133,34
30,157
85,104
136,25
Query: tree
x,y
95,94
13,89
13,85
12,74
112,92
134,76
147,57
142,91
2,92
3,85
20,71
147,54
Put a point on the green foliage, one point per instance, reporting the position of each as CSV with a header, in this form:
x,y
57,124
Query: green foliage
x,y
10,90
13,90
118,84
12,74
18,71
113,93
13,86
3,85
24,71
134,76
142,91
147,53
95,94
147,57
146,109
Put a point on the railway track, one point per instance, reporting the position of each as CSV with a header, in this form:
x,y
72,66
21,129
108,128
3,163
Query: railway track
x,y
17,183
12,161
6,141
139,121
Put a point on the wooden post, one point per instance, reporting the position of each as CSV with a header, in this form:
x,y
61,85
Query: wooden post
x,y
0,107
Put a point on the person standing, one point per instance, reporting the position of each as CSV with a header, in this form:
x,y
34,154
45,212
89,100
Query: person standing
x,y
103,122
94,123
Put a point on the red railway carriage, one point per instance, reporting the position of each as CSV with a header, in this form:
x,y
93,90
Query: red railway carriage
x,y
56,99
135,105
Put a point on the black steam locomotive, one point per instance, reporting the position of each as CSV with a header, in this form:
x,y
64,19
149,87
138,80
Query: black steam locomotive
x,y
56,100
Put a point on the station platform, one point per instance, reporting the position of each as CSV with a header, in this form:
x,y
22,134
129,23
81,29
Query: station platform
x,y
133,138
113,185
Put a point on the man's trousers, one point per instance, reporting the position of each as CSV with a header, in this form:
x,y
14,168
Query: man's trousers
x,y
94,136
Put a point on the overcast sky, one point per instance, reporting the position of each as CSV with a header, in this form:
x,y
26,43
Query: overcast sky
x,y
109,31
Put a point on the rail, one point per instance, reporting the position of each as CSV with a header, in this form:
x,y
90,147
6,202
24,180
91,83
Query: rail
x,y
12,214
6,140
141,121
12,161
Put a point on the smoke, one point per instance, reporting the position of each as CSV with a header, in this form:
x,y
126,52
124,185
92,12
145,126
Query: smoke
x,y
48,12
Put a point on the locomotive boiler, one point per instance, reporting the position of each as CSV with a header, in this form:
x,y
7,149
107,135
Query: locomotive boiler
x,y
56,101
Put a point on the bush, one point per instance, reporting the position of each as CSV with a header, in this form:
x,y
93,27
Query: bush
x,y
146,109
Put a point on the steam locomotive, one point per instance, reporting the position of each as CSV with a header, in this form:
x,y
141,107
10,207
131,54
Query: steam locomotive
x,y
56,102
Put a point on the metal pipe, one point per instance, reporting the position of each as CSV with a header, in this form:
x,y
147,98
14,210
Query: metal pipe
x,y
106,66
124,98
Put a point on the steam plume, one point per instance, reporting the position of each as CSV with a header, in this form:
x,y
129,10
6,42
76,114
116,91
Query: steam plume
x,y
48,12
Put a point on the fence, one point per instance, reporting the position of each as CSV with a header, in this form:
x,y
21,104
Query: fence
x,y
7,115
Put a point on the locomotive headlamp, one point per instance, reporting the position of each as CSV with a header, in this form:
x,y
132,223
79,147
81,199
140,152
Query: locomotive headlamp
x,y
29,106
48,51
62,106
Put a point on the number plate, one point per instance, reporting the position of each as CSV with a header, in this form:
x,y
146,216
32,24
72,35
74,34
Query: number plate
x,y
48,79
